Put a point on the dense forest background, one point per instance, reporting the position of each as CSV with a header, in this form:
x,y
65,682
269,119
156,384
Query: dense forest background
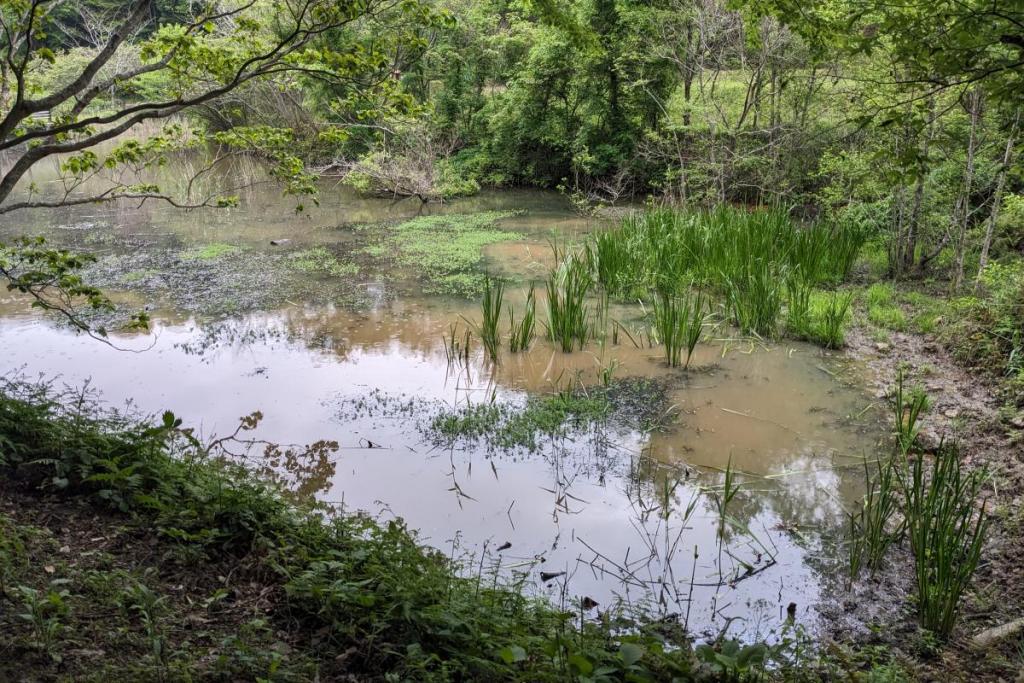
x,y
900,121
901,118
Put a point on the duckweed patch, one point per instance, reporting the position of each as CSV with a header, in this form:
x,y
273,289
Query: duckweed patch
x,y
447,250
320,260
211,252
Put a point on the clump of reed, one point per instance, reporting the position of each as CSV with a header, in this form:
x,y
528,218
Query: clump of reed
x,y
754,298
940,516
946,533
907,408
872,526
831,331
679,322
490,309
743,256
457,347
522,330
568,317
798,307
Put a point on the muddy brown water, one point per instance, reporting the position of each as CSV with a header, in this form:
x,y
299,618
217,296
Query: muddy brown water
x,y
621,511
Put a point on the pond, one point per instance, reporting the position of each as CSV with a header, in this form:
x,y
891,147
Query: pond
x,y
343,330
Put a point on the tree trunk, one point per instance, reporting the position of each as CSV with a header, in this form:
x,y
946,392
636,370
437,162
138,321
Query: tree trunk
x,y
914,223
964,205
997,195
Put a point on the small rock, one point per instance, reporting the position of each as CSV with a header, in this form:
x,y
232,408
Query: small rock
x,y
1017,422
882,347
279,243
952,413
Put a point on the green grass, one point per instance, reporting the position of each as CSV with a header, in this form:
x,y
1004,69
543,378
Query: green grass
x,y
882,308
831,316
352,597
211,252
320,260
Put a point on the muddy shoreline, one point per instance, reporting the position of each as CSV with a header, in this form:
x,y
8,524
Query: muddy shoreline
x,y
879,611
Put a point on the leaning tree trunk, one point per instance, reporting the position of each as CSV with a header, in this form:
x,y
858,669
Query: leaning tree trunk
x,y
997,195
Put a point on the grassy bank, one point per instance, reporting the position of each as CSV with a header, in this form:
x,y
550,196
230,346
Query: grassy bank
x,y
180,566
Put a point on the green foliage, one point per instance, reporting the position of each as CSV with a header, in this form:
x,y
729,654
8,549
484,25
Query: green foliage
x,y
986,331
53,280
45,611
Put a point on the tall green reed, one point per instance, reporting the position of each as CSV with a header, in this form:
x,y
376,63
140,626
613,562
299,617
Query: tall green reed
x,y
831,333
873,527
907,409
490,309
522,330
946,532
568,317
679,322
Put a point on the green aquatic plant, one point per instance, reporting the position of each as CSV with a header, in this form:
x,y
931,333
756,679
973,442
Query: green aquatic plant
x,y
211,252
457,347
754,298
522,331
568,317
320,260
798,307
679,322
907,409
873,527
490,310
447,250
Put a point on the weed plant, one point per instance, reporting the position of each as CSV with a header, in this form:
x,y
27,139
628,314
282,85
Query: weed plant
x,y
490,312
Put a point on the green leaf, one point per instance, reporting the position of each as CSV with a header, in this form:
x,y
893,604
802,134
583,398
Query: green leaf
x,y
512,654
582,664
631,653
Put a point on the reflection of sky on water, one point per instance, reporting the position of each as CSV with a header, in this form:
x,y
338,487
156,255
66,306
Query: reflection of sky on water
x,y
589,506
